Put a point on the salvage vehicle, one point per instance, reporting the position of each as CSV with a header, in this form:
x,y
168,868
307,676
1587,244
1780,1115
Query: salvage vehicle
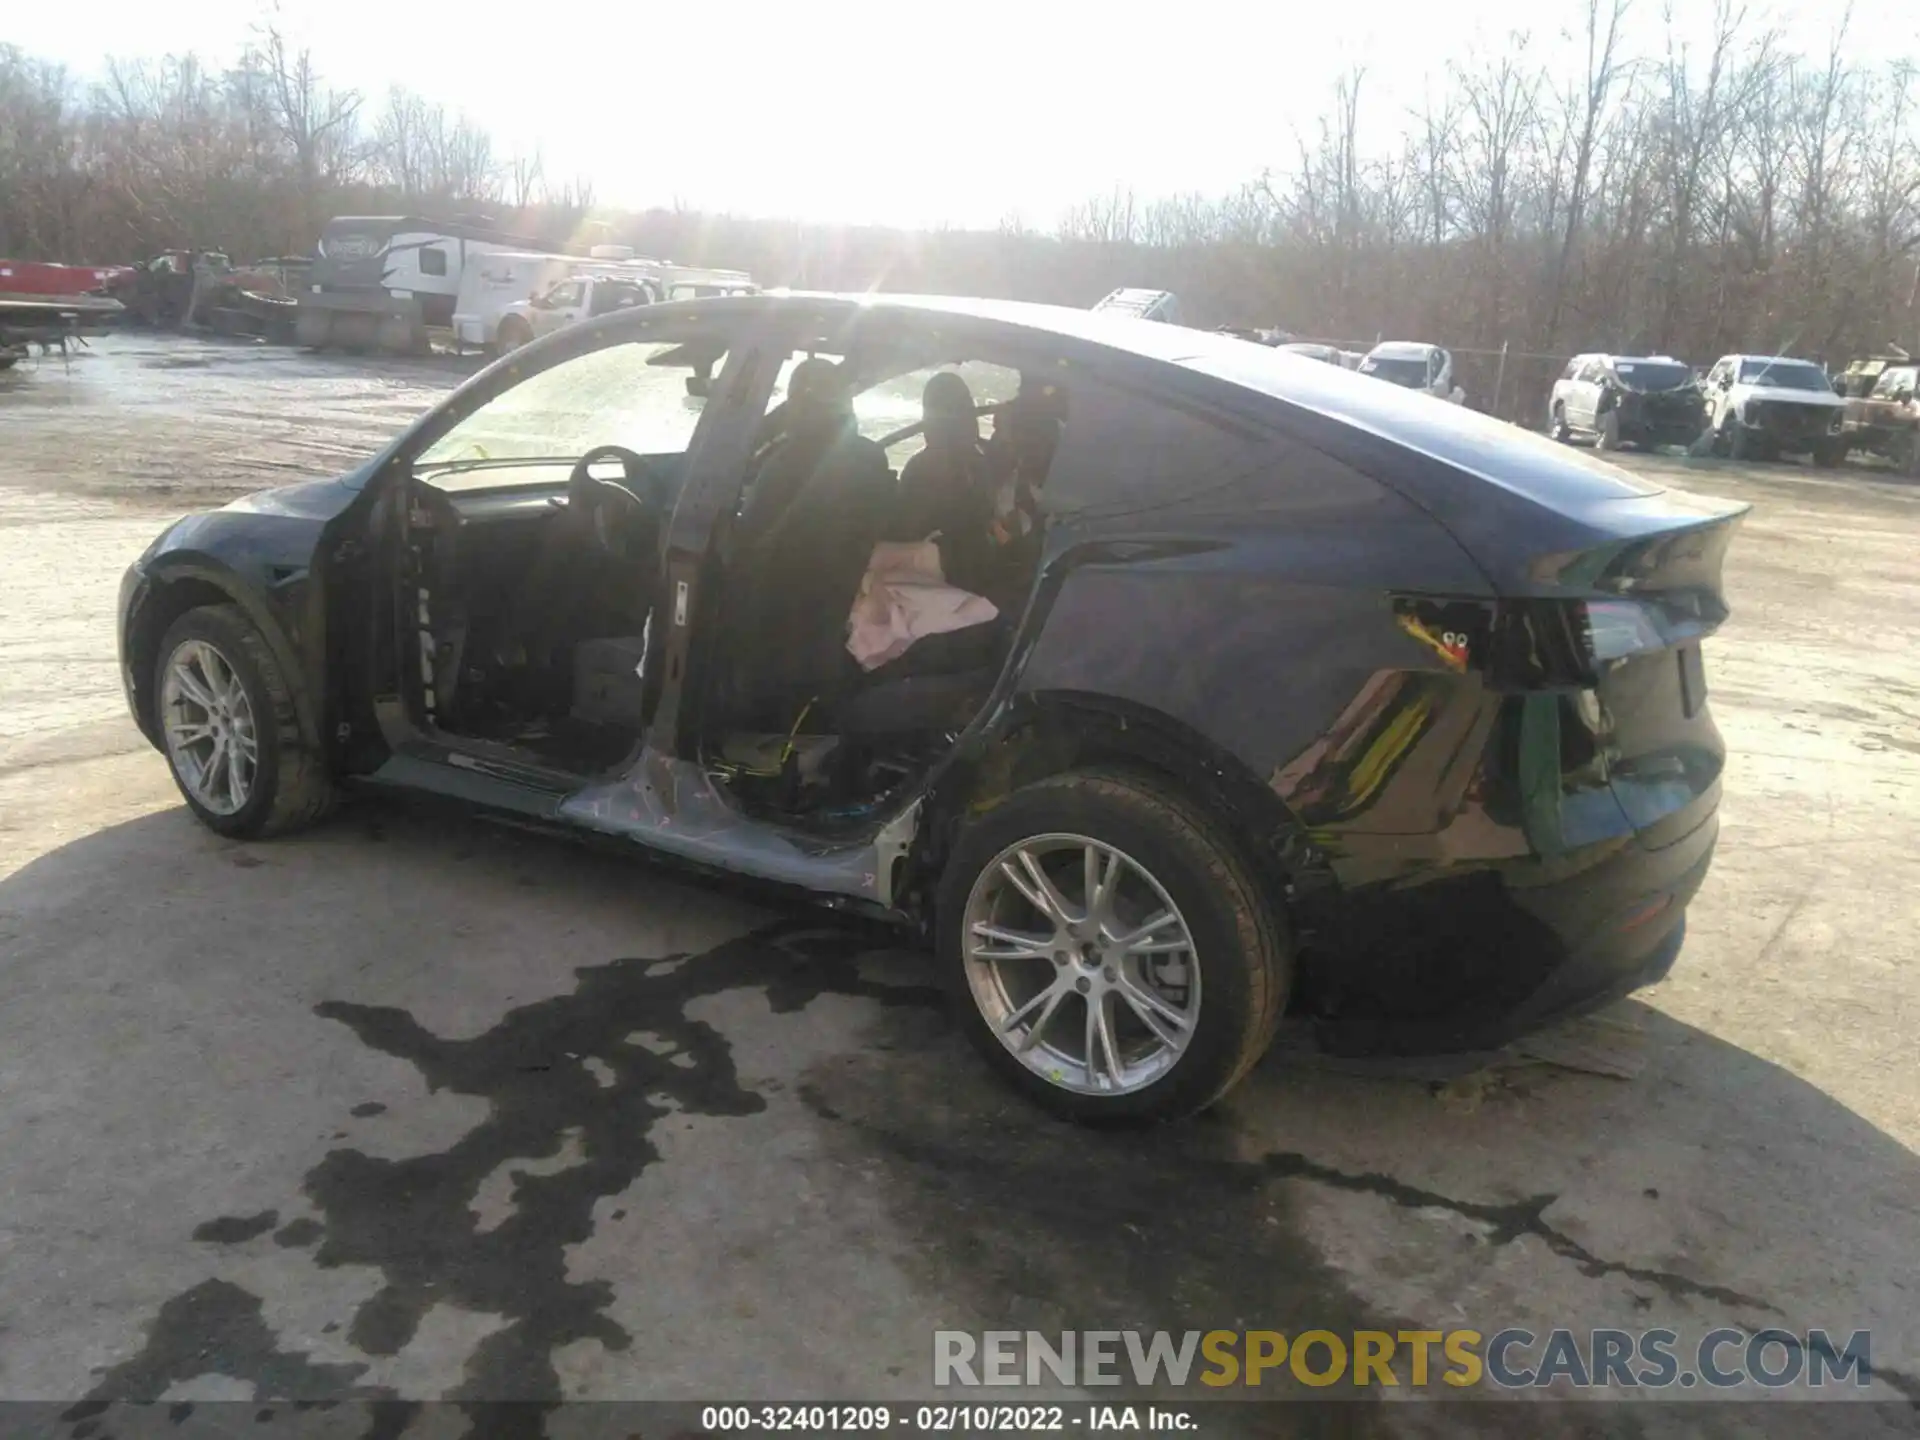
x,y
1766,406
1882,416
1296,691
1325,354
1643,400
160,291
1414,365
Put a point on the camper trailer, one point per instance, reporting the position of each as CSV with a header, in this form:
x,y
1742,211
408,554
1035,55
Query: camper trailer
x,y
380,282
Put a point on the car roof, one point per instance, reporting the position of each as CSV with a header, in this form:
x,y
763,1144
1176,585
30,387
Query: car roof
x,y
1259,381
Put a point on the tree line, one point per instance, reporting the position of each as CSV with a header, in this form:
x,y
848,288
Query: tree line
x,y
1657,195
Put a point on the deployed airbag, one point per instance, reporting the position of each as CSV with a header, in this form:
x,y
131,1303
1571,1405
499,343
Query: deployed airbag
x,y
904,596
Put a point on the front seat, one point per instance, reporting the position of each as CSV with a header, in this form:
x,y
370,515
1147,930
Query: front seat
x,y
819,504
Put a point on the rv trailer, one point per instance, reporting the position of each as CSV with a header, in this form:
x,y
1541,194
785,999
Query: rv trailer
x,y
380,282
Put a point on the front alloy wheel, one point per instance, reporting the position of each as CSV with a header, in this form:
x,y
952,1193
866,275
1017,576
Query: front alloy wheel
x,y
224,714
209,726
1082,964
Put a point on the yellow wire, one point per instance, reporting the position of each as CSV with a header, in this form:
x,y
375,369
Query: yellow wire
x,y
728,768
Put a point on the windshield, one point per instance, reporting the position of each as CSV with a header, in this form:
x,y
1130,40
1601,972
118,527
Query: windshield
x,y
609,396
1652,374
1784,375
1899,380
1412,373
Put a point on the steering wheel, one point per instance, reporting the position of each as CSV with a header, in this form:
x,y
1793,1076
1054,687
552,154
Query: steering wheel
x,y
623,514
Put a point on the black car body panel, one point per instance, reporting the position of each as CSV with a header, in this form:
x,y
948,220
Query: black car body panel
x,y
1439,677
260,553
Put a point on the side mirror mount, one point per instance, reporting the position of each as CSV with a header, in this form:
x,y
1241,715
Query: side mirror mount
x,y
700,383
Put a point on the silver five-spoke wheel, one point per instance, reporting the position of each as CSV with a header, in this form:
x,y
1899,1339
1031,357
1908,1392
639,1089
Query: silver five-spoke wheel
x,y
1082,964
209,726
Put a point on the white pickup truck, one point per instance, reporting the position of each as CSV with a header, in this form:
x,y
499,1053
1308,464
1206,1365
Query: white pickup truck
x,y
1765,406
511,299
577,298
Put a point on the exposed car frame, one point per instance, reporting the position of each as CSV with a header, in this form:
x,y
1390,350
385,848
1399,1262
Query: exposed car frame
x,y
1402,707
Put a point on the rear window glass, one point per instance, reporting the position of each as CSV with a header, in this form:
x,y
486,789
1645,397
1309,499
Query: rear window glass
x,y
1784,374
1652,374
1399,370
1518,460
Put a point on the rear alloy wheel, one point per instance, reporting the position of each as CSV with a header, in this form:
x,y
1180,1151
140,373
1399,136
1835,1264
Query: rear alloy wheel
x,y
227,723
1110,953
1557,425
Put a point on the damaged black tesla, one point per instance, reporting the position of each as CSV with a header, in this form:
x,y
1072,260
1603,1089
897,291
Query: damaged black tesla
x,y
1163,682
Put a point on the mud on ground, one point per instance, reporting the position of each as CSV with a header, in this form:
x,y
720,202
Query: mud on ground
x,y
412,1107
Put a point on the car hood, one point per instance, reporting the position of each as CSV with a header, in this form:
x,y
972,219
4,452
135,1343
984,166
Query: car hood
x,y
306,500
1792,397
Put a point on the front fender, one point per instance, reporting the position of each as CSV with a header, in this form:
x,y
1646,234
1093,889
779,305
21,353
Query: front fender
x,y
276,608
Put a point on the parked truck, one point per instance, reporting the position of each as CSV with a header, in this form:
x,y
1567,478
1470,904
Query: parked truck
x,y
507,300
1882,410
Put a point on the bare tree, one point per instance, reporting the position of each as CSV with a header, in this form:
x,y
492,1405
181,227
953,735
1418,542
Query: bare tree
x,y
1586,112
320,125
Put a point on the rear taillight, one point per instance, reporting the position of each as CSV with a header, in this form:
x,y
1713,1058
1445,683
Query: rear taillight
x,y
1615,629
1558,644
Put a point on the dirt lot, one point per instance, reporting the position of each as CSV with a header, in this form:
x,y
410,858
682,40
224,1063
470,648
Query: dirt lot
x,y
417,1107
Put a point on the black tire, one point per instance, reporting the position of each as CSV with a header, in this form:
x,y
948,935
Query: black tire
x,y
1239,943
1557,424
1741,442
512,334
291,788
1607,435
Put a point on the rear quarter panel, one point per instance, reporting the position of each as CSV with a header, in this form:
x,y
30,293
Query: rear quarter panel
x,y
1254,604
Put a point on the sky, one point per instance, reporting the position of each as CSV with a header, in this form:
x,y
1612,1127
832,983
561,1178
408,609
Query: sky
x,y
900,112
